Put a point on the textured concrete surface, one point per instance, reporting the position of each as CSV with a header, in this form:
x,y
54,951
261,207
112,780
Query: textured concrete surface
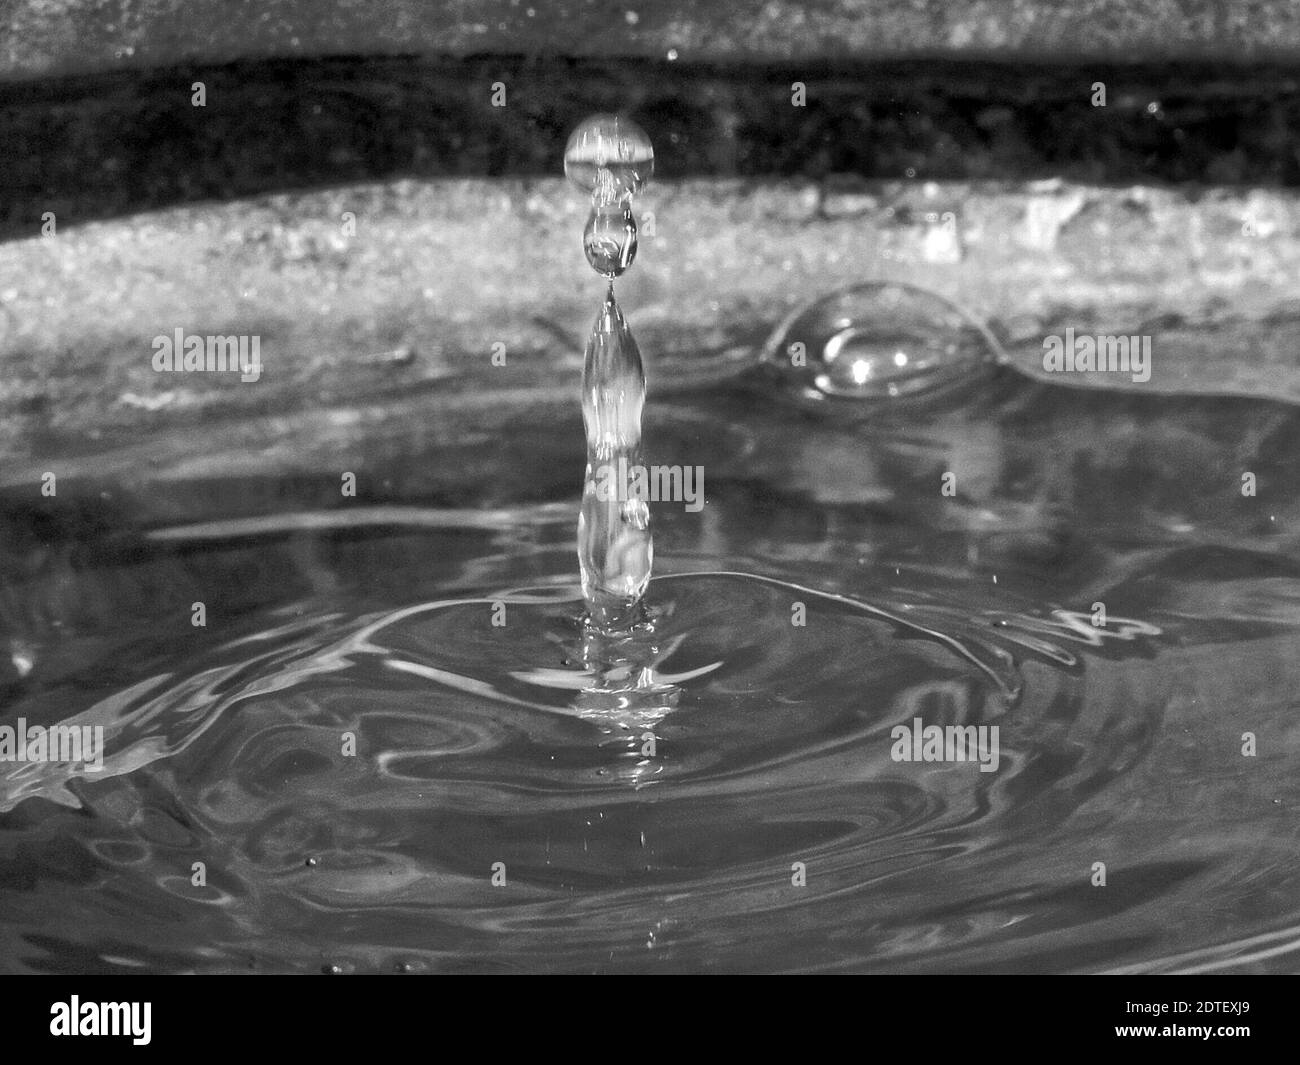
x,y
58,36
383,229
412,303
104,145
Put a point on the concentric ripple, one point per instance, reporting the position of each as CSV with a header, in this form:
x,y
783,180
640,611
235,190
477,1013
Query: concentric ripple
x,y
393,744
353,787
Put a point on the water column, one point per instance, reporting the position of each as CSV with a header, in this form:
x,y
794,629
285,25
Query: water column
x,y
611,158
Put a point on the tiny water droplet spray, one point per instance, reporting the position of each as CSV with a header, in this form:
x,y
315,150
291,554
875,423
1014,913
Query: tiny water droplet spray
x,y
611,159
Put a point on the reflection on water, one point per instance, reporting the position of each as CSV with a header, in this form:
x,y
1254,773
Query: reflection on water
x,y
395,745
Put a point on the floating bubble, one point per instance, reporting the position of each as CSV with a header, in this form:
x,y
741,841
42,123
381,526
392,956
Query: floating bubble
x,y
880,340
610,157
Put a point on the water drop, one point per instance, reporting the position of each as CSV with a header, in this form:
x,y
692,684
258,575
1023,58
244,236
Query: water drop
x,y
611,155
610,239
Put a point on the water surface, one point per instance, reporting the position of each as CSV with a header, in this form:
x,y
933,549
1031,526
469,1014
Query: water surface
x,y
649,799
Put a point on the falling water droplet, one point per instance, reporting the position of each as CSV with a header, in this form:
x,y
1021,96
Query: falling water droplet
x,y
880,340
615,551
610,239
611,153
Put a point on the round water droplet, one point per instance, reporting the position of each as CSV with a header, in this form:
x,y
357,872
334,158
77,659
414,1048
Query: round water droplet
x,y
610,239
880,340
610,157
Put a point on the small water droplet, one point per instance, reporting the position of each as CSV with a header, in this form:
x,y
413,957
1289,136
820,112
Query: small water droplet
x,y
610,154
310,863
610,239
331,970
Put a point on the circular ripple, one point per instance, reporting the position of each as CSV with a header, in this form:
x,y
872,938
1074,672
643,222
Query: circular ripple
x,y
482,782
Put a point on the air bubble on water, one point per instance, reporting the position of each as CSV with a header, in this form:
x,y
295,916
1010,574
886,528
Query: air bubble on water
x,y
612,144
880,340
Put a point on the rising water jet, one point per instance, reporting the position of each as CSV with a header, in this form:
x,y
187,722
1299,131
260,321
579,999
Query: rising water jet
x,y
611,158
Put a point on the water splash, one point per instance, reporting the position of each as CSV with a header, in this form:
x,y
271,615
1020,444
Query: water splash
x,y
615,550
356,742
611,158
661,783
